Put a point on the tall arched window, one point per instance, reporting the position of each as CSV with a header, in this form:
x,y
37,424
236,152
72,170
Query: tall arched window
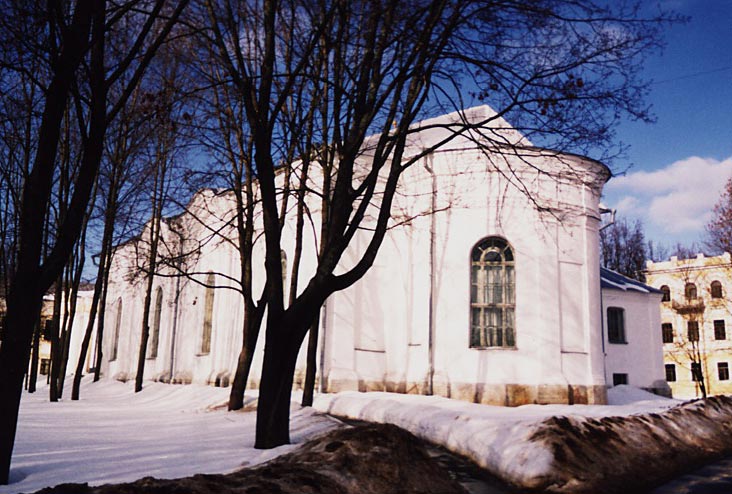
x,y
690,291
117,324
152,347
492,294
666,293
208,314
716,289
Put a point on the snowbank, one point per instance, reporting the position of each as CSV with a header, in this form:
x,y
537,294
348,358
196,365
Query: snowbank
x,y
640,441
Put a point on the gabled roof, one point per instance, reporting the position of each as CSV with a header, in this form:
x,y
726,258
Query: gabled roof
x,y
616,281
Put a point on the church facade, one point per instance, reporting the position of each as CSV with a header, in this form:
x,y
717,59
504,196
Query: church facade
x,y
487,287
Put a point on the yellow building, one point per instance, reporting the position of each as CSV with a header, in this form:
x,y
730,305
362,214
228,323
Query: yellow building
x,y
696,320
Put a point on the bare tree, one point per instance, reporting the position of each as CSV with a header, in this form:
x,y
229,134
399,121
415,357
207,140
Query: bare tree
x,y
72,43
164,141
719,229
116,187
562,72
623,248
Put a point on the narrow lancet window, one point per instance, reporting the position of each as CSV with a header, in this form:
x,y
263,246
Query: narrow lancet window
x,y
115,336
152,347
208,314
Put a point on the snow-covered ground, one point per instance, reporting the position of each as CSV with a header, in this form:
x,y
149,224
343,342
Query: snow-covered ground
x,y
114,435
169,431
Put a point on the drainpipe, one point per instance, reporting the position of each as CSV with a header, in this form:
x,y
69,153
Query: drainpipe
x,y
323,336
604,210
431,309
176,303
175,327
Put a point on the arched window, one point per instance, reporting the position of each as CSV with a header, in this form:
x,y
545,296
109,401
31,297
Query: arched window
x,y
716,289
666,293
690,291
152,347
492,294
208,314
117,324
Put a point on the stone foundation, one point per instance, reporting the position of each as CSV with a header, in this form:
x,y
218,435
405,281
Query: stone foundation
x,y
488,394
511,395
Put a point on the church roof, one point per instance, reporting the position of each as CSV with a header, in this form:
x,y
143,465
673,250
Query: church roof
x,y
616,281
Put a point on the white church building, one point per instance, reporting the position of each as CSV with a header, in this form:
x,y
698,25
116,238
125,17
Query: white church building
x,y
487,288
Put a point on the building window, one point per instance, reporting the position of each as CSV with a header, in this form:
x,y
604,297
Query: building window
x,y
690,291
207,315
720,332
615,325
670,372
696,372
115,335
692,330
723,371
152,347
666,293
492,294
668,332
716,289
619,379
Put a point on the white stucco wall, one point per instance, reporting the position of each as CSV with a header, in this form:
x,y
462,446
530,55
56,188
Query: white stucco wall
x,y
641,356
378,332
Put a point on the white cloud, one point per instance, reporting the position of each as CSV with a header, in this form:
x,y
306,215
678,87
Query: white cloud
x,y
674,200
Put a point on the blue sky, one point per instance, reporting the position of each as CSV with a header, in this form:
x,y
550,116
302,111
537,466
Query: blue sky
x,y
679,165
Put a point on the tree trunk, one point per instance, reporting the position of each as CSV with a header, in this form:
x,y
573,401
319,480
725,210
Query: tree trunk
x,y
98,285
273,408
244,363
34,359
145,334
100,319
23,308
239,386
308,391
55,341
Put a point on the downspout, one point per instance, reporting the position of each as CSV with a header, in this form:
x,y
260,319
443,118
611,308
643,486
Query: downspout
x,y
431,309
175,327
323,336
604,210
176,304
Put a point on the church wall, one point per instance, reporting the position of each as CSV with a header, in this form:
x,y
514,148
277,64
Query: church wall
x,y
556,358
376,334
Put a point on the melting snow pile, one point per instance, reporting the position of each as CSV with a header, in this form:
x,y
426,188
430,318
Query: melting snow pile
x,y
639,440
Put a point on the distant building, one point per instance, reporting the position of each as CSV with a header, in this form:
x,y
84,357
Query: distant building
x,y
696,313
480,292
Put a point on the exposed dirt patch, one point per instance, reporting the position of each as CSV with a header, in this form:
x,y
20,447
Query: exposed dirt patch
x,y
367,459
